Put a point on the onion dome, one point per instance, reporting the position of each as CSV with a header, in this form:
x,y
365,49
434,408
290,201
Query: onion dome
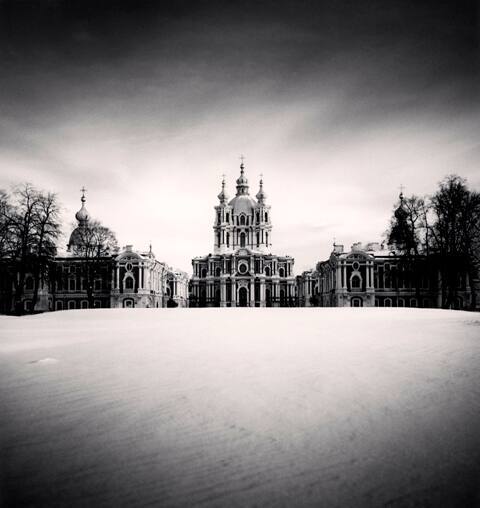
x,y
242,202
242,181
82,215
261,194
223,196
400,212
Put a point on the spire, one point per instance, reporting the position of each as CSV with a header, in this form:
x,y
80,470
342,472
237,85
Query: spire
x,y
242,181
223,196
261,194
82,215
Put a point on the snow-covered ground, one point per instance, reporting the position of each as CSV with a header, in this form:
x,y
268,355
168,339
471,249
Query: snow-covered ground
x,y
240,407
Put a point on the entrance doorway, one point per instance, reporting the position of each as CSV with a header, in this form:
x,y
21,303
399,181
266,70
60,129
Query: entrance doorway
x,y
242,297
356,302
128,303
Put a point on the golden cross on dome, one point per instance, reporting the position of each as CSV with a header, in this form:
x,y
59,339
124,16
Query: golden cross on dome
x,y
83,190
242,158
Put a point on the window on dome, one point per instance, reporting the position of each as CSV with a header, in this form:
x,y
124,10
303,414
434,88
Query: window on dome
x,y
281,272
228,239
258,217
227,217
242,220
258,239
266,216
242,239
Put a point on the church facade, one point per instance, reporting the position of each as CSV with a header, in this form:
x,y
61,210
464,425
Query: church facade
x,y
242,271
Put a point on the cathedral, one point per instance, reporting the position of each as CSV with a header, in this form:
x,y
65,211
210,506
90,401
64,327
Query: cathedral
x,y
242,271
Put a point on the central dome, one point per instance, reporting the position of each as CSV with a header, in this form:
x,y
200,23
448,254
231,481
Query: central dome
x,y
243,204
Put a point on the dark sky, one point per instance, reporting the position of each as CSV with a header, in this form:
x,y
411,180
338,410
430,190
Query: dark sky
x,y
337,92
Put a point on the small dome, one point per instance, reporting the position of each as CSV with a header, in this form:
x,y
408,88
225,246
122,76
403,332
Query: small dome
x,y
82,215
242,182
400,212
223,196
261,194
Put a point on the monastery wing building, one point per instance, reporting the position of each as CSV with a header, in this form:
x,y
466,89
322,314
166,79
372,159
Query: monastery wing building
x,y
242,271
123,278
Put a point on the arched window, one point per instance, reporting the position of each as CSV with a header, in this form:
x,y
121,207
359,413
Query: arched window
x,y
413,302
84,304
228,239
29,283
266,239
387,302
267,271
242,220
204,272
258,239
242,237
129,283
218,271
218,239
266,216
71,304
401,302
355,281
227,217
281,272
258,217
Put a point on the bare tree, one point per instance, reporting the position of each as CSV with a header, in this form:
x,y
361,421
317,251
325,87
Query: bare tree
x,y
408,235
29,229
47,232
455,235
94,244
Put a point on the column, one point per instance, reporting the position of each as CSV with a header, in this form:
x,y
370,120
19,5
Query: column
x,y
223,293
252,292
262,293
234,293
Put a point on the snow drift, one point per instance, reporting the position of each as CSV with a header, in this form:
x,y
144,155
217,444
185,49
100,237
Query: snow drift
x,y
240,407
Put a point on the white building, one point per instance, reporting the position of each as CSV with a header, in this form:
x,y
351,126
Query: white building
x,y
242,271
